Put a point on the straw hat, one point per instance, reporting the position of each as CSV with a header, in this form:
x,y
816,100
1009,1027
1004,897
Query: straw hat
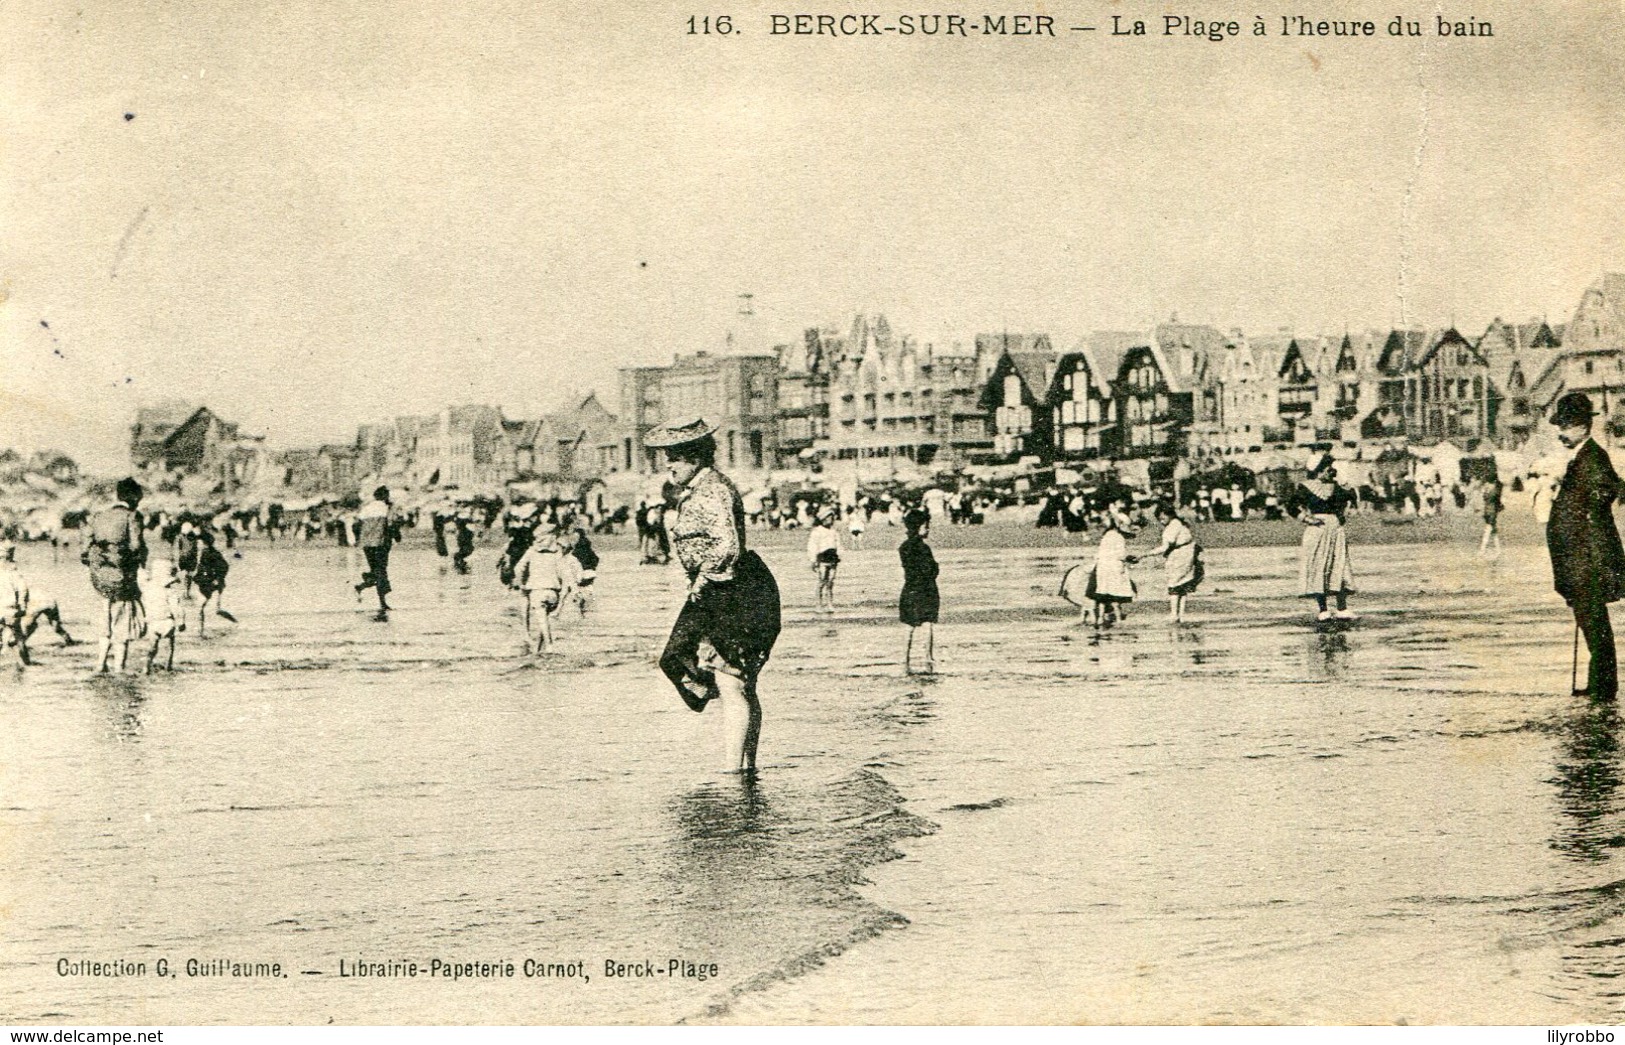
x,y
678,432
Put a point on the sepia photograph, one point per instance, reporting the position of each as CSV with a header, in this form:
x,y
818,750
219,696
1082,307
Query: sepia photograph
x,y
525,513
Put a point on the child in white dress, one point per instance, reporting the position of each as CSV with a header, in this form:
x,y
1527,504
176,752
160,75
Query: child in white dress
x,y
1112,588
166,614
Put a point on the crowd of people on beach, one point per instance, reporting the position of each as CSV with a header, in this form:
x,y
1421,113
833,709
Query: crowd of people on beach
x,y
549,561
160,573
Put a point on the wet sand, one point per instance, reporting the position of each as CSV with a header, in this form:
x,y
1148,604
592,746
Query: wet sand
x,y
1244,819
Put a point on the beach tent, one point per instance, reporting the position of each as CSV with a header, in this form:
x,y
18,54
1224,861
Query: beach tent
x,y
1225,475
1135,472
1393,465
1509,463
1445,458
1479,468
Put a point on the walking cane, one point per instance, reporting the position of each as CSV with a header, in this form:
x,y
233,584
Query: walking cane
x,y
1574,667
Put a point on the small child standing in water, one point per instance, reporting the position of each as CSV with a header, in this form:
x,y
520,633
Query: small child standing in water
x,y
586,558
210,578
161,594
824,555
1112,589
546,574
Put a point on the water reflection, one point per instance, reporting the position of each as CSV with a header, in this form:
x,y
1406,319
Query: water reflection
x,y
1327,654
1587,782
716,821
121,697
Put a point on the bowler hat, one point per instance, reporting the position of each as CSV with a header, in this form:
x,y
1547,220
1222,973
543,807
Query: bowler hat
x,y
128,489
679,432
1573,409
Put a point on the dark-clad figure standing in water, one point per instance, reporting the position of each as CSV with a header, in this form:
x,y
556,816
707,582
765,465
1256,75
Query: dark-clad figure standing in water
x,y
730,618
919,603
1588,563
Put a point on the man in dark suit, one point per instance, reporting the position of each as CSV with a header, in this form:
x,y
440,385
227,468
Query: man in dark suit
x,y
1588,563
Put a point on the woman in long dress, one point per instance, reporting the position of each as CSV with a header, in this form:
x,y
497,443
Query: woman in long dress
x,y
1179,552
1320,503
730,619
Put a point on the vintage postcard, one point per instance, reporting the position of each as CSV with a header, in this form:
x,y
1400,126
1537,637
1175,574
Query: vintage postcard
x,y
521,512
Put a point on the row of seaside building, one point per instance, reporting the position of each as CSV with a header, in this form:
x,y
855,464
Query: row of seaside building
x,y
863,392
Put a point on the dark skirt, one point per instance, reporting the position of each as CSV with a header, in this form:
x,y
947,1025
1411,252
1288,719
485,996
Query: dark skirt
x,y
918,606
738,619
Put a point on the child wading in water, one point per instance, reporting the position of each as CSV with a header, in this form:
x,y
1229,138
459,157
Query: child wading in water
x,y
13,604
586,558
1183,559
824,554
1492,520
210,578
166,614
1111,588
918,605
546,575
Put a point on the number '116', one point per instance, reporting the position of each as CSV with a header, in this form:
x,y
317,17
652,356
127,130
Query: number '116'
x,y
721,25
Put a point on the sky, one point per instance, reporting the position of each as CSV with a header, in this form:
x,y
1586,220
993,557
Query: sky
x,y
311,215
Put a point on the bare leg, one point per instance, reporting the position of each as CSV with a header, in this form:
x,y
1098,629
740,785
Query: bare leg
x,y
741,723
1173,607
106,653
51,613
930,648
908,651
13,629
545,639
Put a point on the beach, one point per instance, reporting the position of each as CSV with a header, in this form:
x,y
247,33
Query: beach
x,y
1244,819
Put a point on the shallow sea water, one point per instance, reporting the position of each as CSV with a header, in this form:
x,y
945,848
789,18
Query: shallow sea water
x,y
1243,819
